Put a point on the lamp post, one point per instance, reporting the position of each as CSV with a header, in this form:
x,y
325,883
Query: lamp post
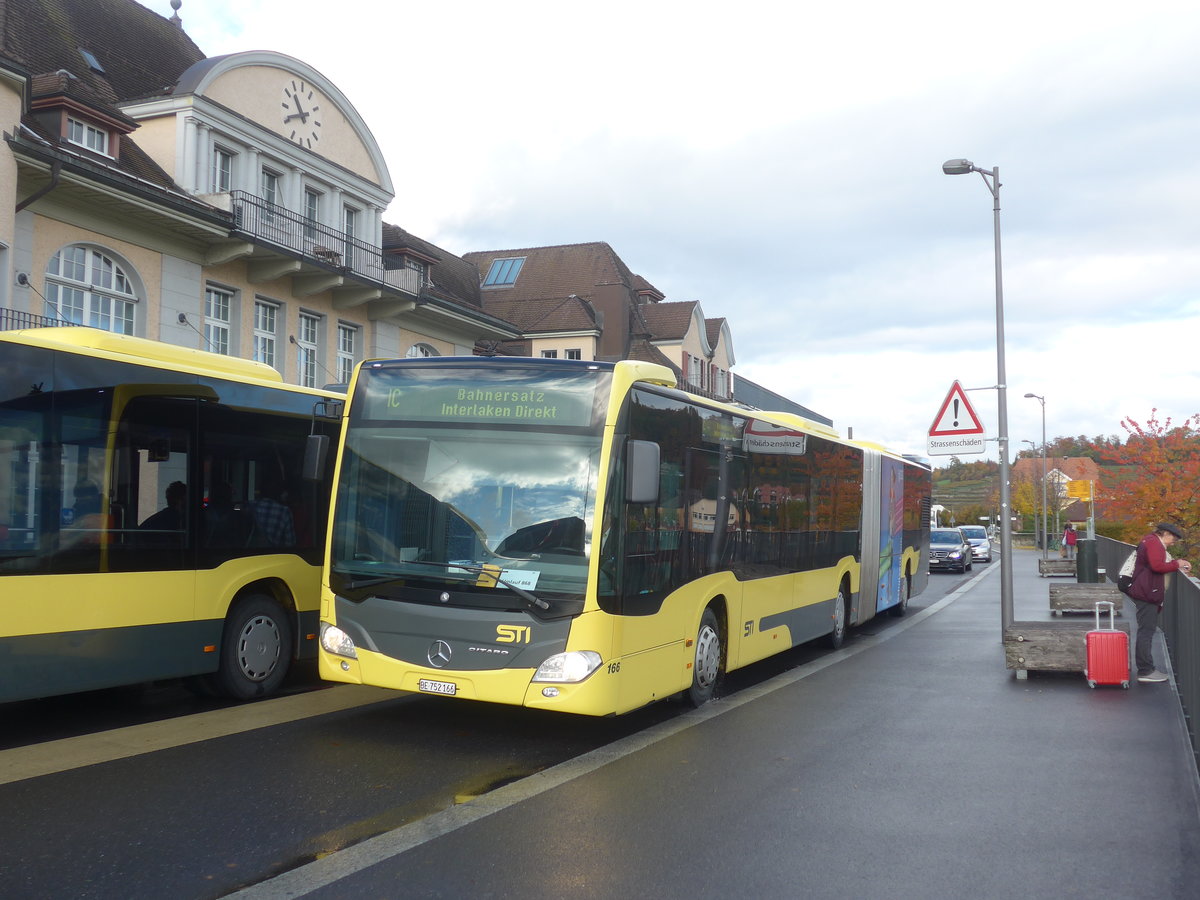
x,y
1045,514
991,178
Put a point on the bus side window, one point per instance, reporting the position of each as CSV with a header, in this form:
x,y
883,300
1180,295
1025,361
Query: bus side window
x,y
154,499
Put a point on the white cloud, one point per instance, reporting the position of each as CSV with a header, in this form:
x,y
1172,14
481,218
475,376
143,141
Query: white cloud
x,y
782,166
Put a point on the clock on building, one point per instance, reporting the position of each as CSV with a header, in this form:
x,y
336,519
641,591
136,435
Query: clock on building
x,y
301,114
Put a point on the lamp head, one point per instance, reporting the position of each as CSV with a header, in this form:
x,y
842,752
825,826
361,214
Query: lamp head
x,y
958,167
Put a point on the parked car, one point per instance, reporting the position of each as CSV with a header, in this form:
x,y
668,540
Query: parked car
x,y
981,544
949,549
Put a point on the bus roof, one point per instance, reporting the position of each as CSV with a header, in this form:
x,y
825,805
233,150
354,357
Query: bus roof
x,y
93,341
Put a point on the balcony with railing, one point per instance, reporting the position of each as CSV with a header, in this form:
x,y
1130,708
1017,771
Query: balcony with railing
x,y
320,244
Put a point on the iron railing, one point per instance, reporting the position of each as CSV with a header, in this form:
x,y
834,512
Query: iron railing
x,y
15,319
1180,622
693,387
322,244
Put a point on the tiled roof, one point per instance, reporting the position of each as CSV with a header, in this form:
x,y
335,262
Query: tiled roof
x,y
45,35
712,328
641,285
546,315
451,275
556,272
63,84
644,351
668,321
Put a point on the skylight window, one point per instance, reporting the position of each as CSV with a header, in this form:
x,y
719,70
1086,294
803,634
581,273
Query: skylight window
x,y
504,272
90,59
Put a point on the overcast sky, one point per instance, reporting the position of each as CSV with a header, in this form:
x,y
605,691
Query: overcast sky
x,y
783,167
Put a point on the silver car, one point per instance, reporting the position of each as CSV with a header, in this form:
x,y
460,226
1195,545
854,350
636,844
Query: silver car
x,y
981,544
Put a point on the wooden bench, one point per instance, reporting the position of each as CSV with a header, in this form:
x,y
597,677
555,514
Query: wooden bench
x,y
1058,645
1048,567
1083,597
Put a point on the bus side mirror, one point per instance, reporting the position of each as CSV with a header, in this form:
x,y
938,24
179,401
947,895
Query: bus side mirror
x,y
641,472
316,451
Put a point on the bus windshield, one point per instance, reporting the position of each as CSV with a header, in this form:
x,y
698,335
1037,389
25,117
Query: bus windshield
x,y
453,494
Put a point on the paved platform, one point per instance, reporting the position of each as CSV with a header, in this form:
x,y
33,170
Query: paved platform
x,y
910,764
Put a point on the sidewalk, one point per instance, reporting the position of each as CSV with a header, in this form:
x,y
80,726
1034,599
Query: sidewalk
x,y
911,764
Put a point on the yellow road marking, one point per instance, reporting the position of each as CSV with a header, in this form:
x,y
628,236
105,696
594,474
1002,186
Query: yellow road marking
x,y
48,758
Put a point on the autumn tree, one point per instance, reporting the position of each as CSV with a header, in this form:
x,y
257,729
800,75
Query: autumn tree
x,y
1158,479
1025,497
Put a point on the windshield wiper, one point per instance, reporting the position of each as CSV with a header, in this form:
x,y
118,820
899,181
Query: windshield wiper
x,y
483,570
372,582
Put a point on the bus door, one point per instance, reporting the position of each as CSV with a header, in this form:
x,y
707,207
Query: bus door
x,y
154,503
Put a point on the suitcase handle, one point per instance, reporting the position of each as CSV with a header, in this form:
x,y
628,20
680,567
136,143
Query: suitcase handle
x,y
1112,613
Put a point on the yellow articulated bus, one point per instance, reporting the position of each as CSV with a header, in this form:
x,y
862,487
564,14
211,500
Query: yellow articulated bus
x,y
584,537
154,521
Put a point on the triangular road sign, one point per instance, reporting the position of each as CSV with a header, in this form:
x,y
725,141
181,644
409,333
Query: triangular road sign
x,y
956,417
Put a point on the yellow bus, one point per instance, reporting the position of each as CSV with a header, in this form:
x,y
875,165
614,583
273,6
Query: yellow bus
x,y
154,522
584,537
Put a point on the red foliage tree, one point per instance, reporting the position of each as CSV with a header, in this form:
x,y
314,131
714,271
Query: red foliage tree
x,y
1158,479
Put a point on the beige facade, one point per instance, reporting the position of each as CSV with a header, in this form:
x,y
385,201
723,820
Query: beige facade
x,y
575,346
268,245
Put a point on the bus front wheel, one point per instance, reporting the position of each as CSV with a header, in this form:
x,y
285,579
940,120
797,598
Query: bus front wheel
x,y
256,649
706,665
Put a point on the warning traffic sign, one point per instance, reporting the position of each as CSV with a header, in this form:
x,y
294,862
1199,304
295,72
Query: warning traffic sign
x,y
955,429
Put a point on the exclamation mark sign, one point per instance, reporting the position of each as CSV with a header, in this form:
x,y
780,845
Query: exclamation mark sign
x,y
955,412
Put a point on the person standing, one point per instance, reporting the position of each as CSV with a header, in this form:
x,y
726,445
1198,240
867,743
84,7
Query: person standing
x,y
1153,562
1070,539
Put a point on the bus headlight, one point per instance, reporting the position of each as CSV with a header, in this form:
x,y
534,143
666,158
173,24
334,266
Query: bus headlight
x,y
334,640
568,668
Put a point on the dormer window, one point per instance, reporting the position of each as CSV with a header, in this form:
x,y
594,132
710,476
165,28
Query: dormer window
x,y
87,135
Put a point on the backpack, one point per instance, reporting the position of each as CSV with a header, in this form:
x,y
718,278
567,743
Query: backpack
x,y
1125,576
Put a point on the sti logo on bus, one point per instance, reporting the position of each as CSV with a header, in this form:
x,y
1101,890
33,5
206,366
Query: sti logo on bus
x,y
512,634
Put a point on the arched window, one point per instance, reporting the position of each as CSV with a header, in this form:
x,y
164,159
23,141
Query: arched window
x,y
421,350
87,287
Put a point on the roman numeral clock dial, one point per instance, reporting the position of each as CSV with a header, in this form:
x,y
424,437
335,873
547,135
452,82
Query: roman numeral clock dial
x,y
301,114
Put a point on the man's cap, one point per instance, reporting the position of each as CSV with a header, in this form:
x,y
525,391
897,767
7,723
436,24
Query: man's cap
x,y
1167,526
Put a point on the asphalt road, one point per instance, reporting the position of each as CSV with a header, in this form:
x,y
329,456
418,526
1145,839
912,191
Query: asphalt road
x,y
153,792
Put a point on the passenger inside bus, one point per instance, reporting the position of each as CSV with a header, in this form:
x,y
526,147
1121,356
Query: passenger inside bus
x,y
172,517
224,524
272,517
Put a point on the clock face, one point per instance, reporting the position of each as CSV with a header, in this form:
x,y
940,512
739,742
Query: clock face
x,y
301,114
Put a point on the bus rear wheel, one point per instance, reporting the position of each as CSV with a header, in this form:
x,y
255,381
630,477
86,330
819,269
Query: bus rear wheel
x,y
256,649
902,607
706,665
841,616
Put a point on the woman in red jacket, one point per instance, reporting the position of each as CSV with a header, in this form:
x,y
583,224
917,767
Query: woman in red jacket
x,y
1153,563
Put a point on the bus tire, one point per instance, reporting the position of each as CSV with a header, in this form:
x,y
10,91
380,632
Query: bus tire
x,y
902,607
841,616
256,648
707,662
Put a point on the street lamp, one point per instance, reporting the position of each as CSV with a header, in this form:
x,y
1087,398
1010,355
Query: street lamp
x,y
991,178
1045,514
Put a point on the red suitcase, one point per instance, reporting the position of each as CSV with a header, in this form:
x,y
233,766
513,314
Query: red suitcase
x,y
1107,652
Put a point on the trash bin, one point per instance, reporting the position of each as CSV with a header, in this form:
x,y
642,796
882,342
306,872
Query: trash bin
x,y
1086,562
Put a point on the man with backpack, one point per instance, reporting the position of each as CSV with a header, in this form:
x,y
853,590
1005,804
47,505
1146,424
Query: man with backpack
x,y
1152,564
